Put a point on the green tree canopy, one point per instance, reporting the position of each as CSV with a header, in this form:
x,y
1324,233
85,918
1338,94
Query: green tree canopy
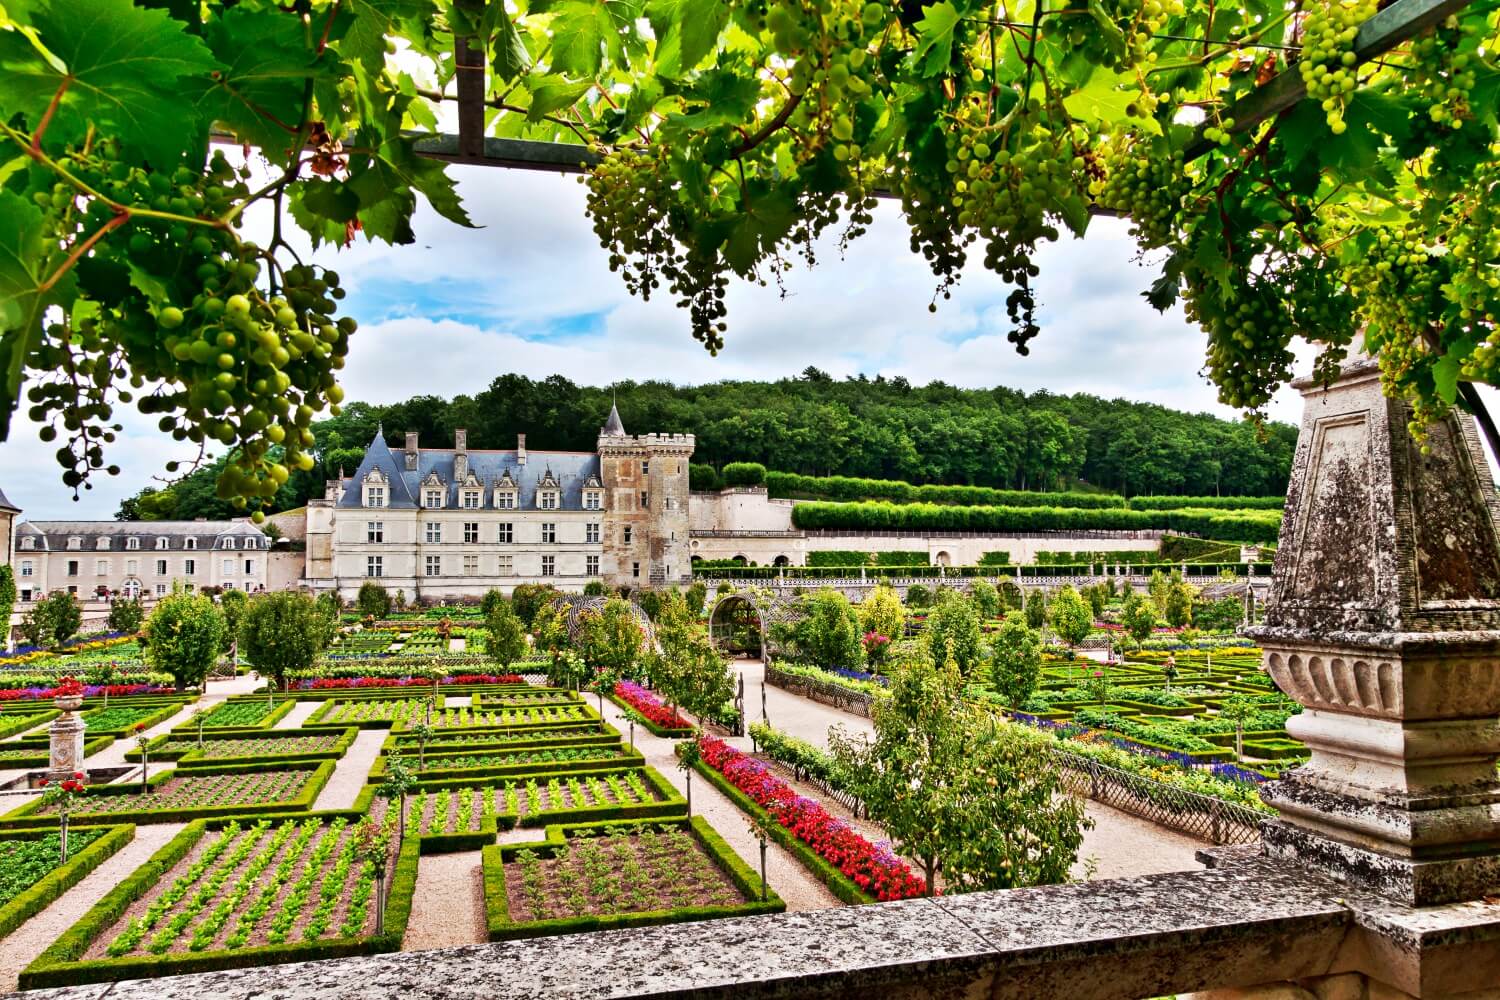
x,y
953,634
828,634
373,600
1016,666
282,633
1138,615
505,639
52,620
184,637
1071,617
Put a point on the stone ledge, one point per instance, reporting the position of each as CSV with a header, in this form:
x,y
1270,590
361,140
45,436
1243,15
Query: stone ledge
x,y
1250,920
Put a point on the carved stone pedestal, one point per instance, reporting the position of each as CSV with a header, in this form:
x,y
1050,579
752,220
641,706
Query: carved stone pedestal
x,y
1385,625
66,741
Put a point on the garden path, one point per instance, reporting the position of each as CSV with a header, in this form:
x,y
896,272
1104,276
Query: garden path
x,y
351,771
448,907
787,876
1121,845
298,715
33,937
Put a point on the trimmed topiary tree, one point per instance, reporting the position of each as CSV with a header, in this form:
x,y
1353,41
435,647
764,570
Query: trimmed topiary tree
x,y
373,600
505,639
744,474
1016,666
1138,616
1071,617
986,599
282,633
125,615
184,637
232,605
53,620
829,633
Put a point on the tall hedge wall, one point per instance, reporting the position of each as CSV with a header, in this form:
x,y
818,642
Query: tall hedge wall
x,y
1239,526
787,484
1207,503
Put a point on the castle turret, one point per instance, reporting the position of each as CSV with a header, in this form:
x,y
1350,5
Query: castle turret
x,y
646,488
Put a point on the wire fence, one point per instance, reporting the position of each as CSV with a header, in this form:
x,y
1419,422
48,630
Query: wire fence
x,y
836,695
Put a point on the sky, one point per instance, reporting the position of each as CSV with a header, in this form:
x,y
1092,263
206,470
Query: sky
x,y
529,291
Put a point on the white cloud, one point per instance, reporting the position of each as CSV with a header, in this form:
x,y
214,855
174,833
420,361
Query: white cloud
x,y
460,307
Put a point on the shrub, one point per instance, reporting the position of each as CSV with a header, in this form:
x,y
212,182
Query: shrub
x,y
881,613
125,615
1210,503
850,488
953,634
744,474
703,478
696,596
610,638
373,600
53,620
505,639
1017,663
280,633
986,599
527,598
918,596
829,633
232,605
184,637
492,598
1138,616
595,588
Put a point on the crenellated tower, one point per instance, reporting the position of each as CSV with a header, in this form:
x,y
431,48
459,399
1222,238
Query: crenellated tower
x,y
646,494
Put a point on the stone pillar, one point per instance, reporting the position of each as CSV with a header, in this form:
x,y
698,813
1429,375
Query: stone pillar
x,y
1385,624
65,756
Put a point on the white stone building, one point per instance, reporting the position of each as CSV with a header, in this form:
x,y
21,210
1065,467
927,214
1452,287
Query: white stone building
x,y
95,559
452,523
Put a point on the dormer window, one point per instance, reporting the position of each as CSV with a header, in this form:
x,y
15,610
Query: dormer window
x,y
471,498
162,543
548,492
75,542
28,544
132,543
102,544
546,499
432,498
190,543
505,499
593,499
373,489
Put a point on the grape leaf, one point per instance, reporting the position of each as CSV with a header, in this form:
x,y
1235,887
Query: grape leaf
x,y
935,38
259,94
579,32
124,69
22,253
510,59
1445,376
686,32
372,21
548,93
1102,100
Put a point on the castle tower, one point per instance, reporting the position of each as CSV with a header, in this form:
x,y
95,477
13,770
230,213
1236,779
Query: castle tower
x,y
646,493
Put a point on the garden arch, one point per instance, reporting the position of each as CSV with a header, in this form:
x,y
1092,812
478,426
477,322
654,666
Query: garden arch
x,y
573,607
740,621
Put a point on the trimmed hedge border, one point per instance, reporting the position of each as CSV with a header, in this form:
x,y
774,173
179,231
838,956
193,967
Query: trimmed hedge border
x,y
837,882
57,966
669,733
189,759
25,816
43,756
26,722
436,748
150,721
52,885
497,901
625,761
276,715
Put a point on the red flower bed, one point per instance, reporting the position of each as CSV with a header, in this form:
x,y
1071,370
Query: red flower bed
x,y
650,706
874,869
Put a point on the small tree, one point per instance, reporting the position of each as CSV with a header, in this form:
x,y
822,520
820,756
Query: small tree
x,y
1017,664
1071,616
651,602
986,599
53,620
505,639
281,634
953,633
529,598
1179,601
1138,616
610,638
232,604
918,596
373,600
125,615
881,612
487,603
829,635
61,795
1094,594
595,588
424,732
1237,708
372,846
142,743
1036,608
689,753
1158,587
184,636
696,596
400,781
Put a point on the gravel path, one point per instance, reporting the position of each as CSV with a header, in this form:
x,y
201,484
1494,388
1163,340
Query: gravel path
x,y
32,938
298,715
1120,844
351,771
448,906
786,874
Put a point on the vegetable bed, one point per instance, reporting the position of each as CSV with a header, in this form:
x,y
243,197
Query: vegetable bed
x,y
31,876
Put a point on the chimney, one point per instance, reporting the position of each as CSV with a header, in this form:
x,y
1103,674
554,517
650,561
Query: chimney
x,y
331,489
411,451
460,454
520,449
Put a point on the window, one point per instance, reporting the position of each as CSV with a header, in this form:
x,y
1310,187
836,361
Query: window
x,y
591,565
505,499
249,567
434,531
227,585
432,498
627,534
102,543
635,569
74,542
190,543
507,532
669,504
471,565
645,500
162,543
471,532
549,532
434,565
189,567
132,566
228,566
593,500
26,567
549,565
72,590
591,532
229,543
374,531
645,468
374,496
28,543
72,567
101,567
507,565
161,567
374,565
161,590
471,499
547,500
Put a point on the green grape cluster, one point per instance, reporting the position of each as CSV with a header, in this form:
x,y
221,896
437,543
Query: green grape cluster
x,y
1136,22
1146,186
1328,60
215,355
1444,74
1249,329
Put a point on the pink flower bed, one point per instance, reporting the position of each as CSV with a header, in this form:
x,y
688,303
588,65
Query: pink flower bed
x,y
875,869
338,683
650,706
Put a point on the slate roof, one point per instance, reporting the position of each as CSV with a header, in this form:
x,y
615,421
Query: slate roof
x,y
7,505
613,427
52,536
571,469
